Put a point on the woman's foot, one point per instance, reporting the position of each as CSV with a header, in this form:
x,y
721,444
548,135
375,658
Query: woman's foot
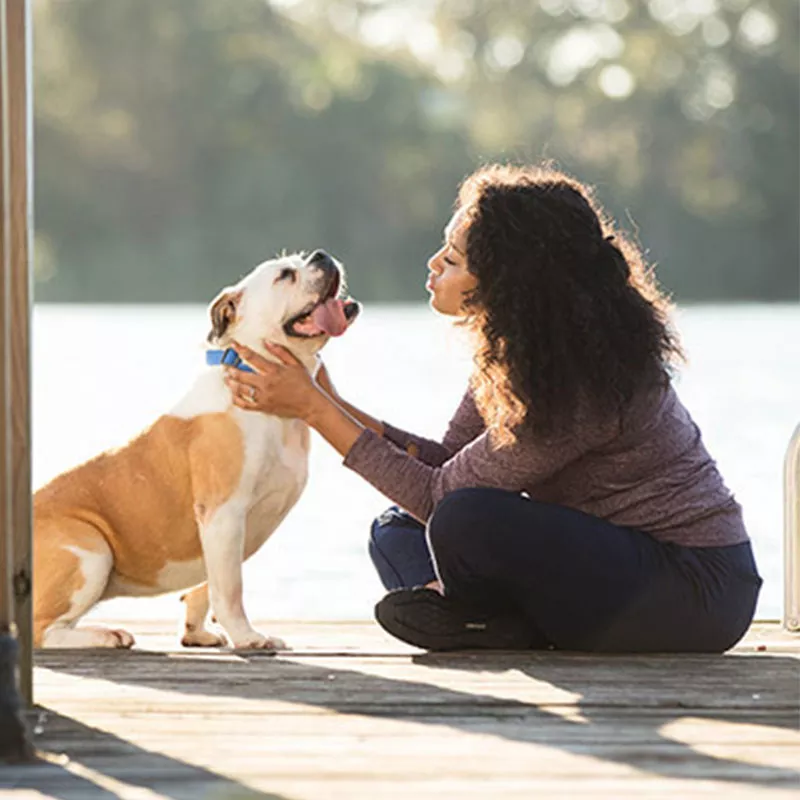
x,y
424,618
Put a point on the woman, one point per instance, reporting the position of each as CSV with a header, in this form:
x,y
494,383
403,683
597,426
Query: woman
x,y
571,503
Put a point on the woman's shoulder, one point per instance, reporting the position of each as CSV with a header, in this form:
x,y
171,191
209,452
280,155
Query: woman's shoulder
x,y
657,408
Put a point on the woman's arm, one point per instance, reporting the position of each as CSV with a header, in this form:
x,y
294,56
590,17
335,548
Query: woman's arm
x,y
323,380
286,389
334,423
418,487
465,426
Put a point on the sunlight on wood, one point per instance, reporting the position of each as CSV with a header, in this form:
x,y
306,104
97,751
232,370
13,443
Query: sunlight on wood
x,y
750,743
352,714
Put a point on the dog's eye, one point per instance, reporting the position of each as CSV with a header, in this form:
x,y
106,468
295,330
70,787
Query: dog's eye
x,y
287,273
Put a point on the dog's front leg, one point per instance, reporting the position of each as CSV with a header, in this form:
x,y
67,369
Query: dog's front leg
x,y
222,539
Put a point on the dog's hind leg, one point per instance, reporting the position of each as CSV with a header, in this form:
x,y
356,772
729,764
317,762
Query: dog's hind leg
x,y
195,632
72,565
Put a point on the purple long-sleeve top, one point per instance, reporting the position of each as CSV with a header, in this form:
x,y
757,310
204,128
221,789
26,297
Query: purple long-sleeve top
x,y
650,471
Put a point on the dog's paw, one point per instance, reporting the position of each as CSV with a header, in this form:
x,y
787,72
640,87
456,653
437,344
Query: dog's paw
x,y
203,638
124,638
108,637
257,641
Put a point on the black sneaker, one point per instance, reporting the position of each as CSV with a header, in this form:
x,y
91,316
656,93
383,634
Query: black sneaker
x,y
424,618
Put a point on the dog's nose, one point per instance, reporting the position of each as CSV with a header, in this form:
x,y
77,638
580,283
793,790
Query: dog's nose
x,y
319,258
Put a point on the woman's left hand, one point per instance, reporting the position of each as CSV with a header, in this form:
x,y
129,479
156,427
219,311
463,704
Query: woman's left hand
x,y
284,389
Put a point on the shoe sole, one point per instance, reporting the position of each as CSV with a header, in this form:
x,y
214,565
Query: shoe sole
x,y
426,619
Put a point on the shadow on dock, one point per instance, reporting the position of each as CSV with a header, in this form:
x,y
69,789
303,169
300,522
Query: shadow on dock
x,y
102,766
624,702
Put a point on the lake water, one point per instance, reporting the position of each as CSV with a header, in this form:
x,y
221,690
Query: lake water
x,y
102,373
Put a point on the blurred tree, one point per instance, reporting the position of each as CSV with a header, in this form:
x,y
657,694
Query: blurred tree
x,y
179,142
685,114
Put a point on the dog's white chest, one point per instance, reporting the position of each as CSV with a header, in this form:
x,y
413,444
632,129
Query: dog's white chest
x,y
275,452
274,473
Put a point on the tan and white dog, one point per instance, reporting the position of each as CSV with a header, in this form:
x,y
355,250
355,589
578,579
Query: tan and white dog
x,y
188,500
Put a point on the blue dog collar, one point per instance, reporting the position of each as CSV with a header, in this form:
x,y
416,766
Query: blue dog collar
x,y
227,358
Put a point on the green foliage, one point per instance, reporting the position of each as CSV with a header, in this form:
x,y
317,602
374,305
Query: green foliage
x,y
179,142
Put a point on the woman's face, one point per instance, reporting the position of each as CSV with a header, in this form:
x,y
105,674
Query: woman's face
x,y
449,279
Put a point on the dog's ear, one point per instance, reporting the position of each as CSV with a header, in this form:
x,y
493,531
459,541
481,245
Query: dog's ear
x,y
222,312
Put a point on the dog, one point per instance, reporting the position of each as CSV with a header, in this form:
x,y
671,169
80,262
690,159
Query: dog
x,y
182,505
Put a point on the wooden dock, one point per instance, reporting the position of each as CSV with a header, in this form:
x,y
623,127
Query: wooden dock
x,y
350,713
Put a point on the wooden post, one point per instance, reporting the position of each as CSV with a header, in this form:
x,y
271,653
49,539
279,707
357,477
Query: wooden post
x,y
15,497
18,327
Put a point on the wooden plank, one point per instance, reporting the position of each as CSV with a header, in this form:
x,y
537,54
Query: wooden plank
x,y
17,329
353,714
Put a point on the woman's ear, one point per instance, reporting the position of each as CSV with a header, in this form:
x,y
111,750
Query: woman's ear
x,y
222,312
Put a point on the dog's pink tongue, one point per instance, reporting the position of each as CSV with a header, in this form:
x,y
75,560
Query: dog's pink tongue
x,y
330,317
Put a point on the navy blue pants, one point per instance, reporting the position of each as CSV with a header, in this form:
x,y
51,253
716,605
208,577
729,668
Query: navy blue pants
x,y
581,582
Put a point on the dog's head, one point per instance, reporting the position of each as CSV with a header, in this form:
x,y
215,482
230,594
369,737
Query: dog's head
x,y
292,300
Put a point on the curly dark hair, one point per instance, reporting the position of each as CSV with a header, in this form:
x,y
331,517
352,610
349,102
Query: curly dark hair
x,y
568,318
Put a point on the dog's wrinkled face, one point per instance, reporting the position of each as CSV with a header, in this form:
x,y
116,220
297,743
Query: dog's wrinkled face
x,y
293,301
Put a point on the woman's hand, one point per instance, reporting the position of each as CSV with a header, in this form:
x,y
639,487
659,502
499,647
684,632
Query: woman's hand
x,y
287,390
284,389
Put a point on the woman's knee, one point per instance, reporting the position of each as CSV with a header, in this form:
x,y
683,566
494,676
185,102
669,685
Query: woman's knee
x,y
459,518
391,525
399,551
462,535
